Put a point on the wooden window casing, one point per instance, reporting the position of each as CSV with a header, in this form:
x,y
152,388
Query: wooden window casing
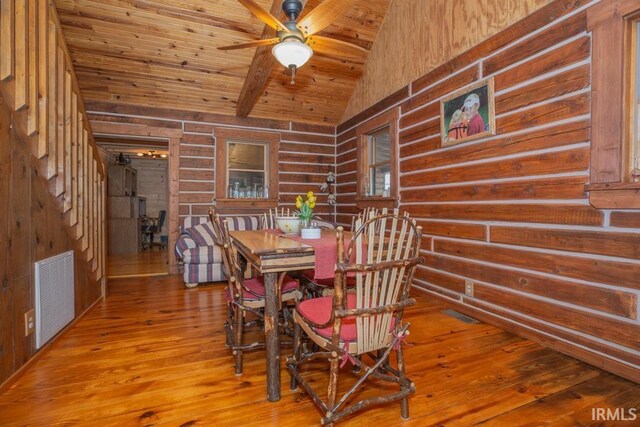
x,y
612,183
363,132
272,141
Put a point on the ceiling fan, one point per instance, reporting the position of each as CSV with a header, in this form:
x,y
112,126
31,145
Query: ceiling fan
x,y
294,41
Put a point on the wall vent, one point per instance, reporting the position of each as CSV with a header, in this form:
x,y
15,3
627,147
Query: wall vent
x,y
55,302
459,316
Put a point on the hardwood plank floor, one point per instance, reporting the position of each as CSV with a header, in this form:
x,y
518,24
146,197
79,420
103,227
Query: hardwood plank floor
x,y
153,353
152,262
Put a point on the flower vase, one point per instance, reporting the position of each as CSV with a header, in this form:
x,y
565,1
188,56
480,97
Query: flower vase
x,y
305,223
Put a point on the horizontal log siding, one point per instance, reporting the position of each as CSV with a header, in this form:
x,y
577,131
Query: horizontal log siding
x,y
307,152
510,212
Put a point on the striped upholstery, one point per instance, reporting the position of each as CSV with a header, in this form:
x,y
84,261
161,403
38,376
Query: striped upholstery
x,y
191,221
202,255
203,273
202,234
237,223
183,243
203,263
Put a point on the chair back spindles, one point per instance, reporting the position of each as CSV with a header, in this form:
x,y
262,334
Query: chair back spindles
x,y
383,248
269,217
382,256
229,260
366,214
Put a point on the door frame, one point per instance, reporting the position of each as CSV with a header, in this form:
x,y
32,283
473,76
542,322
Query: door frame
x,y
174,136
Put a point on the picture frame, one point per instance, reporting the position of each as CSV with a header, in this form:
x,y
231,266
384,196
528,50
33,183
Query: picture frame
x,y
478,100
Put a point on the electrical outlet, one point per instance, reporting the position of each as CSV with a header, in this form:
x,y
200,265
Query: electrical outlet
x,y
29,322
468,288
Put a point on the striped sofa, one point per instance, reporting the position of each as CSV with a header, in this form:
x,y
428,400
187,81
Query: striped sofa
x,y
201,259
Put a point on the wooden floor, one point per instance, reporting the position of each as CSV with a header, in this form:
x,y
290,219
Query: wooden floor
x,y
152,262
153,354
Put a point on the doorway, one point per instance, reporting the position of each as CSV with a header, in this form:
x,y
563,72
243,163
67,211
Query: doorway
x,y
137,204
157,139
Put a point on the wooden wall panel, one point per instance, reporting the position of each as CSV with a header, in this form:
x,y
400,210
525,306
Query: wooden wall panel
x,y
510,212
41,100
307,152
418,36
31,229
6,291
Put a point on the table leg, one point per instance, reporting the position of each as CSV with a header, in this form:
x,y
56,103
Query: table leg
x,y
271,336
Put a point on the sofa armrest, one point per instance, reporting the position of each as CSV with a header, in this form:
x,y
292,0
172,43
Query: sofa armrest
x,y
184,243
323,223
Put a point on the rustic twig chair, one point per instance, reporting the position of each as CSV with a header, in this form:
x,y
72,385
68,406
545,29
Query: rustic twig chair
x,y
324,287
363,216
269,217
351,326
244,295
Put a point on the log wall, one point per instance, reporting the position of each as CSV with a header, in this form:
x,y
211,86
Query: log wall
x,y
307,152
510,212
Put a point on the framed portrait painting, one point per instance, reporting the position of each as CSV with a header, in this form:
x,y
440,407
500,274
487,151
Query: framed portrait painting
x,y
468,114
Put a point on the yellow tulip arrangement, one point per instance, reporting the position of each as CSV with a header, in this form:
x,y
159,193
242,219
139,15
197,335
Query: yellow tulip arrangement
x,y
305,207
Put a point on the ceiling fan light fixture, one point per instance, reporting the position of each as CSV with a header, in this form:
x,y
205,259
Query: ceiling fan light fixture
x,y
291,52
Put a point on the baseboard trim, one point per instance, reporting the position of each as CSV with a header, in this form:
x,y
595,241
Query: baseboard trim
x,y
129,276
37,355
546,340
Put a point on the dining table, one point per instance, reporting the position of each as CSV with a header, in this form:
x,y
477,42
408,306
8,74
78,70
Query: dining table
x,y
271,254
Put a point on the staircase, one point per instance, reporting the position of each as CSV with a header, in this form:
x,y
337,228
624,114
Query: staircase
x,y
39,85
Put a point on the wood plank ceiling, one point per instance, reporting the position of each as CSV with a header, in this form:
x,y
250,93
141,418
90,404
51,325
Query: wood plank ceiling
x,y
163,53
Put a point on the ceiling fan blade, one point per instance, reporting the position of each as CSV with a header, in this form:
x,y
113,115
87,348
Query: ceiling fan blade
x,y
335,47
254,43
324,15
264,15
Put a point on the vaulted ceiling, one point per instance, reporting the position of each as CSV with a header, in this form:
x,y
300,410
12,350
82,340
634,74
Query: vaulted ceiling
x,y
163,53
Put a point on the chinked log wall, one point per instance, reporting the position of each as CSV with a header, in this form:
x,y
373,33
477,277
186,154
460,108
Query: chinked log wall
x,y
51,177
509,212
307,152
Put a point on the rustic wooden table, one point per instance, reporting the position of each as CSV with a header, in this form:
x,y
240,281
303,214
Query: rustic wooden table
x,y
271,254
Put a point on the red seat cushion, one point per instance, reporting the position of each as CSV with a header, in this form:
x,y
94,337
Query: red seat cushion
x,y
318,310
256,285
327,283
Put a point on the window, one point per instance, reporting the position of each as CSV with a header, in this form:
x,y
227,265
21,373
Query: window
x,y
246,169
615,91
377,161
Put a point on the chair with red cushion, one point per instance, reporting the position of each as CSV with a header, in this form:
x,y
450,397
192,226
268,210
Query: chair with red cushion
x,y
324,286
244,295
364,325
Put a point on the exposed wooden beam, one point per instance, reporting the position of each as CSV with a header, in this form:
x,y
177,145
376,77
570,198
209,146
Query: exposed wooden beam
x,y
260,69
